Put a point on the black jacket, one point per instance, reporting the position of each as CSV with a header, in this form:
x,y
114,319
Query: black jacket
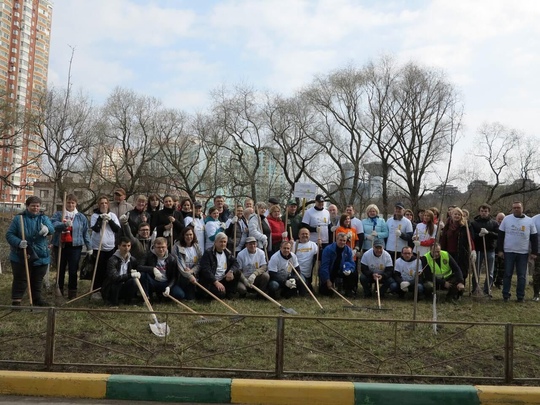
x,y
208,266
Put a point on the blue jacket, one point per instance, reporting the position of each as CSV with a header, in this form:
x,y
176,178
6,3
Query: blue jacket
x,y
329,256
79,230
32,226
381,228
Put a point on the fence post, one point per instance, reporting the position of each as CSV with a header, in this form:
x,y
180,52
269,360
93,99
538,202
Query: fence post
x,y
508,353
280,344
49,339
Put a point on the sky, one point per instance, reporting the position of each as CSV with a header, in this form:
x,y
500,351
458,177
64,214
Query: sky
x,y
179,50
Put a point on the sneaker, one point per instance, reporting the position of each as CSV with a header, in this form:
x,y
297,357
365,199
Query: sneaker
x,y
536,298
521,300
96,296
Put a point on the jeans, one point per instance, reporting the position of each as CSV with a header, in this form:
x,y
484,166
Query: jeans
x,y
71,255
491,267
519,260
20,284
384,285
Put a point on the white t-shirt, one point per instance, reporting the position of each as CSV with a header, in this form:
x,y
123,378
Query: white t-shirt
x,y
377,264
315,218
405,226
408,269
198,228
517,233
249,262
221,265
278,264
423,234
305,252
357,224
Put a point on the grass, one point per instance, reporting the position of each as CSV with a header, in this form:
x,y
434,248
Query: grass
x,y
367,345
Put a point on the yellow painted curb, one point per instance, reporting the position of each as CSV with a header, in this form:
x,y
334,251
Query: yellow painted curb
x,y
291,392
53,384
508,395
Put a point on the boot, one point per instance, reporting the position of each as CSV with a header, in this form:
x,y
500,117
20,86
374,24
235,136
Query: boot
x,y
72,294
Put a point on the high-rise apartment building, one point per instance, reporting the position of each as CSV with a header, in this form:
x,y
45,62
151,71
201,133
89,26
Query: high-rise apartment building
x,y
25,28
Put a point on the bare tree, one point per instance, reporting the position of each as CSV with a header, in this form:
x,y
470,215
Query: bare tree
x,y
340,102
426,124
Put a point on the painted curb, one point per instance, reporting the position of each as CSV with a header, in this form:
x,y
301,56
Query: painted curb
x,y
508,395
281,392
169,389
53,384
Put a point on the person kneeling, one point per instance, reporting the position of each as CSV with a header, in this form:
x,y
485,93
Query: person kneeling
x,y
219,271
160,272
448,275
282,277
337,266
119,283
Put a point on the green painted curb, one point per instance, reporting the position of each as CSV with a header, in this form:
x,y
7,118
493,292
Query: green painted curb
x,y
169,389
414,394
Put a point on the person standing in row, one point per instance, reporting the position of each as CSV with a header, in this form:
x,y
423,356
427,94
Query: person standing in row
x,y
71,231
517,235
316,219
31,241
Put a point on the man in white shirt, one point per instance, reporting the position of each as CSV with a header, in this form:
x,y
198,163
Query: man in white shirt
x,y
252,262
306,253
376,264
405,272
400,231
282,277
316,219
517,234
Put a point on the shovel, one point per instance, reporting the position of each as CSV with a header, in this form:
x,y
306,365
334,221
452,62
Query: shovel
x,y
158,329
202,318
289,311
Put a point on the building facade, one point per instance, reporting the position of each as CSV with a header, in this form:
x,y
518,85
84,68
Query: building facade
x,y
25,28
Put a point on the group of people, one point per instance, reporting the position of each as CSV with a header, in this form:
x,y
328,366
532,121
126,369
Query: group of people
x,y
170,247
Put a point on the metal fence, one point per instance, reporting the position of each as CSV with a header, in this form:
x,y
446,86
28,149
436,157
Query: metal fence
x,y
105,340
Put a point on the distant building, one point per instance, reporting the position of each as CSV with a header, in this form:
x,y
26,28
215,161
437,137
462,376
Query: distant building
x,y
25,29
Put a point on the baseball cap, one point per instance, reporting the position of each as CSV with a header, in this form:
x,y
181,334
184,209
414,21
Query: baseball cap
x,y
197,204
273,200
292,202
319,198
250,239
378,242
120,191
400,205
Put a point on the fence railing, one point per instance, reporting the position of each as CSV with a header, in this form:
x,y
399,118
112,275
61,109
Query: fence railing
x,y
105,340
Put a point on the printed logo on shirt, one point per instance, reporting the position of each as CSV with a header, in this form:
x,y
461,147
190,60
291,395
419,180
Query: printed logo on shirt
x,y
445,261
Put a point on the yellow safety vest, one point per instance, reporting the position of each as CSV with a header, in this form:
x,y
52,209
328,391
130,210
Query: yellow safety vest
x,y
444,270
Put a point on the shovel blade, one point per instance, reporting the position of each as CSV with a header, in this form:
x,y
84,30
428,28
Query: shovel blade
x,y
289,311
160,329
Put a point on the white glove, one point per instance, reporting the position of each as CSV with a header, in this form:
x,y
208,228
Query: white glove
x,y
416,242
69,223
158,275
318,229
105,217
251,279
290,283
346,273
123,219
166,233
333,229
483,232
397,232
135,274
44,231
222,225
264,241
354,252
153,237
374,233
284,235
404,286
234,219
349,235
167,291
369,237
23,244
89,252
473,256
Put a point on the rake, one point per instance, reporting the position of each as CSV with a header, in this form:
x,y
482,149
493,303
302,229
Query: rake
x,y
289,311
350,306
307,288
199,321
